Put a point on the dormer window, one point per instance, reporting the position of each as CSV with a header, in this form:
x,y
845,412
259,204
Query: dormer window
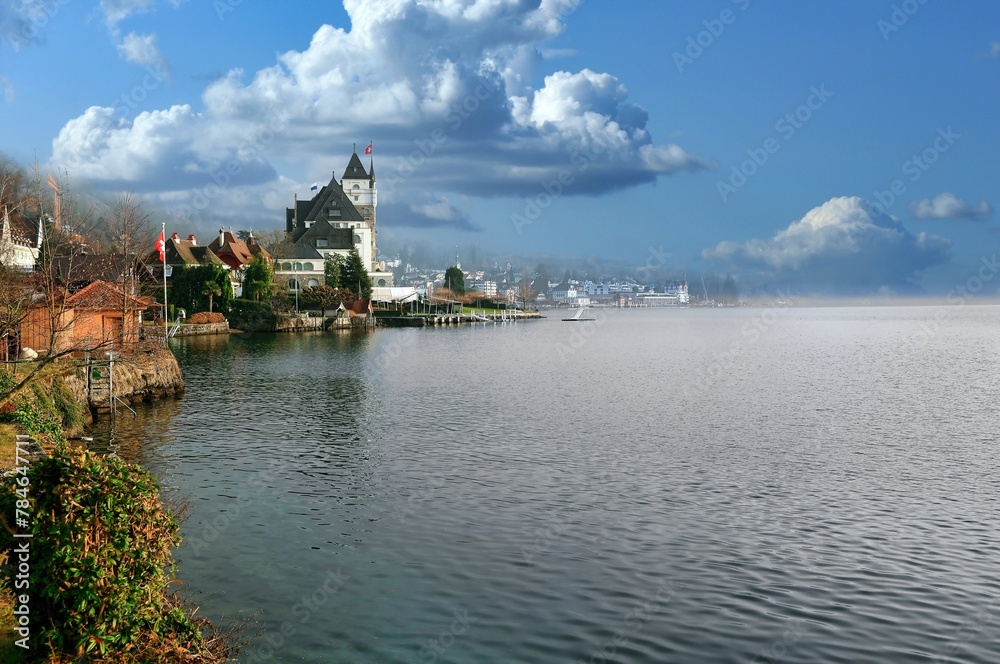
x,y
321,243
333,212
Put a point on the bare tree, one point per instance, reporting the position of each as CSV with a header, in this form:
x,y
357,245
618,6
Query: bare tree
x,y
130,237
40,303
277,242
524,290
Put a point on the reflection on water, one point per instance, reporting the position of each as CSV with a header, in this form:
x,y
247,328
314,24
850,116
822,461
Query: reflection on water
x,y
671,490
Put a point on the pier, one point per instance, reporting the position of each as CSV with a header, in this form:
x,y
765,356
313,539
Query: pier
x,y
435,320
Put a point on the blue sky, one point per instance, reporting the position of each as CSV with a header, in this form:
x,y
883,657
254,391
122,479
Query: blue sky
x,y
848,145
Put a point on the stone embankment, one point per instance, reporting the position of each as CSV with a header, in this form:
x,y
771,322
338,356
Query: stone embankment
x,y
298,323
144,376
190,330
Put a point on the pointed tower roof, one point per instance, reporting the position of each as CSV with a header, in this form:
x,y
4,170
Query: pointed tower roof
x,y
355,169
330,204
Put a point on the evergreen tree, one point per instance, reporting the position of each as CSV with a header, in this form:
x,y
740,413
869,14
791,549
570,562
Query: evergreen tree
x,y
258,278
189,287
454,280
333,269
354,276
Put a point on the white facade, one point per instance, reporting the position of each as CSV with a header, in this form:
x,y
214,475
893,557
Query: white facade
x,y
487,288
18,252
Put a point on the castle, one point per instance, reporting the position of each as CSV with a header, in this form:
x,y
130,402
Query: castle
x,y
341,215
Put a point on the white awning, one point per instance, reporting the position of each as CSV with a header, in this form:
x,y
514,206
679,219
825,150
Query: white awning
x,y
394,294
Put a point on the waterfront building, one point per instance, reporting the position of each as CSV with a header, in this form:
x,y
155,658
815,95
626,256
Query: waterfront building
x,y
564,292
97,316
233,251
339,217
485,286
20,242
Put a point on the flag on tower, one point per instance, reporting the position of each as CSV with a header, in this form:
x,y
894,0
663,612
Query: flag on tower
x,y
368,150
161,246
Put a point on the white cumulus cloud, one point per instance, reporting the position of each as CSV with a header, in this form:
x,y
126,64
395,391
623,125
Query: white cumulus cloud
x,y
949,206
143,50
115,11
157,151
442,88
838,247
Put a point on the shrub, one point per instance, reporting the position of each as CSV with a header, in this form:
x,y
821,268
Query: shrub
x,y
203,317
36,413
69,410
100,565
251,315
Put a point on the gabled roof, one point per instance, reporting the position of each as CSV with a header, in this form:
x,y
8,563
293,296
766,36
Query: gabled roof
x,y
355,169
228,245
102,296
256,248
185,252
85,268
19,231
336,238
330,204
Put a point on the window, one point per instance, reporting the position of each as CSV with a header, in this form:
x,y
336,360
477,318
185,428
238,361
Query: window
x,y
321,243
381,282
286,266
333,213
298,266
307,266
368,212
357,239
355,198
293,284
313,283
357,186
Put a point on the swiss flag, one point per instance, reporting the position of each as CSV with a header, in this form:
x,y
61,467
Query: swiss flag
x,y
161,246
368,150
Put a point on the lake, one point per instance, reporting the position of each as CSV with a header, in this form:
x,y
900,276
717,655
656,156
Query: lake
x,y
659,485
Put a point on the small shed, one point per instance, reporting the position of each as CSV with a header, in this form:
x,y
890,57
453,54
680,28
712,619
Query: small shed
x,y
96,316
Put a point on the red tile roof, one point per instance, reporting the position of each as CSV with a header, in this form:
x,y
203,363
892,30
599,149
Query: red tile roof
x,y
102,296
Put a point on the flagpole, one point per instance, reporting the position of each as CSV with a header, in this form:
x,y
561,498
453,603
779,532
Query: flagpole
x,y
166,330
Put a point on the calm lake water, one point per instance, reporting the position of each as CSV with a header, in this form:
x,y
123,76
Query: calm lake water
x,y
682,485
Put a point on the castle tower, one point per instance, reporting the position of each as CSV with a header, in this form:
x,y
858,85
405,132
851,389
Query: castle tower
x,y
359,188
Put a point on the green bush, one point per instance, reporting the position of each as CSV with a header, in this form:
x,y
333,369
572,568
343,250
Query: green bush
x,y
7,382
252,315
100,564
36,414
70,410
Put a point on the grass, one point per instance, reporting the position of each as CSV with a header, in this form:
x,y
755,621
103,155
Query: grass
x,y
8,434
9,653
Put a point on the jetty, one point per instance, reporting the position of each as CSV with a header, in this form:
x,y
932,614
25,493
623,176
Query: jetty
x,y
435,320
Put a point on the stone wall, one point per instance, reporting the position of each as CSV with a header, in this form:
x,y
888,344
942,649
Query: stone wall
x,y
190,330
143,377
298,323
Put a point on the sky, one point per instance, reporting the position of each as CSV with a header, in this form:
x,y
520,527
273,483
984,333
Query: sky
x,y
841,146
